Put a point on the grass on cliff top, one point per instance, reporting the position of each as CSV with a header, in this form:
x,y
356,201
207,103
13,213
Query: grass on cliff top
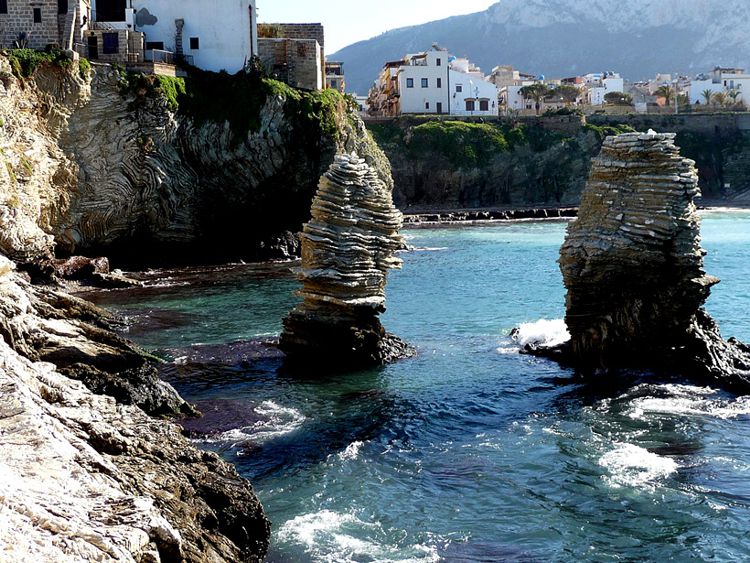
x,y
238,100
464,144
24,62
604,131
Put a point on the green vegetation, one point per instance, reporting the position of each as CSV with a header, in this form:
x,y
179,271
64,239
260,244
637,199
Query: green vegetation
x,y
238,99
24,62
618,99
464,144
604,131
84,67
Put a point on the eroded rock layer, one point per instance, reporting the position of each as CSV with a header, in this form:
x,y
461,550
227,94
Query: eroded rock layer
x,y
84,477
633,266
347,249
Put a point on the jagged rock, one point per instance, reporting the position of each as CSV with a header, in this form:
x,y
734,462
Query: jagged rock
x,y
347,249
633,267
44,324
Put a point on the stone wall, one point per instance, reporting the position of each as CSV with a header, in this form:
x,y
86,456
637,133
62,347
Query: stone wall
x,y
20,19
131,46
294,61
305,31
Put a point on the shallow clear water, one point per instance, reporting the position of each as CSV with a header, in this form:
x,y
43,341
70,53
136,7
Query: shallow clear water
x,y
469,451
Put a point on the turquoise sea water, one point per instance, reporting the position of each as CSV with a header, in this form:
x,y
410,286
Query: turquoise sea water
x,y
470,451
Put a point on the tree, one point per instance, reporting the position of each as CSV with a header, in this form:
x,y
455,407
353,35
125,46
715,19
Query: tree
x,y
666,92
707,96
565,93
733,95
720,99
536,92
618,99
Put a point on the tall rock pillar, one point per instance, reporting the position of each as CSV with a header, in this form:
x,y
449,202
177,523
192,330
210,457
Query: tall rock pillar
x,y
347,249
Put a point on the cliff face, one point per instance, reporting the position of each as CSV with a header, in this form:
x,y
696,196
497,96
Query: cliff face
x,y
103,166
460,164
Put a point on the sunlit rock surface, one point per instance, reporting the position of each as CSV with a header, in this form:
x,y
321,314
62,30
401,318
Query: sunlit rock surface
x,y
633,266
347,249
84,477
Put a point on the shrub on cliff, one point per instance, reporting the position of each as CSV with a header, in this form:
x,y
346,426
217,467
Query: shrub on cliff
x,y
24,62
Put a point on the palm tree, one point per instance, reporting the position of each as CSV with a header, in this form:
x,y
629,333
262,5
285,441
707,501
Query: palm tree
x,y
721,99
666,92
707,96
734,94
536,92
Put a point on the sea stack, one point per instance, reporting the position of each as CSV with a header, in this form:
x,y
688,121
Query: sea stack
x,y
632,264
347,249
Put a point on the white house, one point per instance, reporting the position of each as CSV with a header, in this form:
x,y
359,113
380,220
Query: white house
x,y
436,82
601,84
212,34
728,80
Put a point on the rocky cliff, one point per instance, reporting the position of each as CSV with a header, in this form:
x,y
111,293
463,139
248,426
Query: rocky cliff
x,y
145,168
86,474
632,264
451,164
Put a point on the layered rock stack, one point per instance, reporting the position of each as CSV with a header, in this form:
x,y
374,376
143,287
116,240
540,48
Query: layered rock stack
x,y
347,249
633,266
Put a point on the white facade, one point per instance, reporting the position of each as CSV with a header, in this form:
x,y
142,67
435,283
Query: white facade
x,y
217,34
599,85
721,80
434,82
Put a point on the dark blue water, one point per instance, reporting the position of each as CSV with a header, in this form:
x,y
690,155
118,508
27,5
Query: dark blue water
x,y
470,451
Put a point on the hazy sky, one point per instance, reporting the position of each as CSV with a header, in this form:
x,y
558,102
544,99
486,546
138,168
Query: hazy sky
x,y
349,21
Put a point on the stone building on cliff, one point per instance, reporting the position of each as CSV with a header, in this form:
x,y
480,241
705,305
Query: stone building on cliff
x,y
294,53
44,22
220,35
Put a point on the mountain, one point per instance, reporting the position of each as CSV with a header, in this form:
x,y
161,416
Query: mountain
x,y
636,38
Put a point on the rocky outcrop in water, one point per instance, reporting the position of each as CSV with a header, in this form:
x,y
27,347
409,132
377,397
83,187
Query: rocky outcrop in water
x,y
347,249
92,477
633,266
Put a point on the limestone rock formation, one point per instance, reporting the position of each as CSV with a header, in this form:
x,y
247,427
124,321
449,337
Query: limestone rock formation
x,y
347,249
633,266
108,171
84,477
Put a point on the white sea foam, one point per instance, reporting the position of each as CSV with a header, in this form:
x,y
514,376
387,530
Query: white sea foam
x,y
542,333
632,466
277,421
351,452
689,400
333,536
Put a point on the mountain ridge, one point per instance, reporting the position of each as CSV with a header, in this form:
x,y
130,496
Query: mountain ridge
x,y
567,37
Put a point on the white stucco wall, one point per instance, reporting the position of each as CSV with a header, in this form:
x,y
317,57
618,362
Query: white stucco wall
x,y
419,99
223,28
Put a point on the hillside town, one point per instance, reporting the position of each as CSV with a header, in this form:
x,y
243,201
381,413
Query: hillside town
x,y
437,82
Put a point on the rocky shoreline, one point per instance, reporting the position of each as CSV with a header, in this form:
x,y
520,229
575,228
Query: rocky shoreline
x,y
478,216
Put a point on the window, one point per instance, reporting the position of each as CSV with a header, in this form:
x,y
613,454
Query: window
x,y
425,83
459,88
3,6
439,62
195,43
439,82
469,105
410,83
110,43
110,11
427,105
37,15
484,105
151,45
62,6
334,84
